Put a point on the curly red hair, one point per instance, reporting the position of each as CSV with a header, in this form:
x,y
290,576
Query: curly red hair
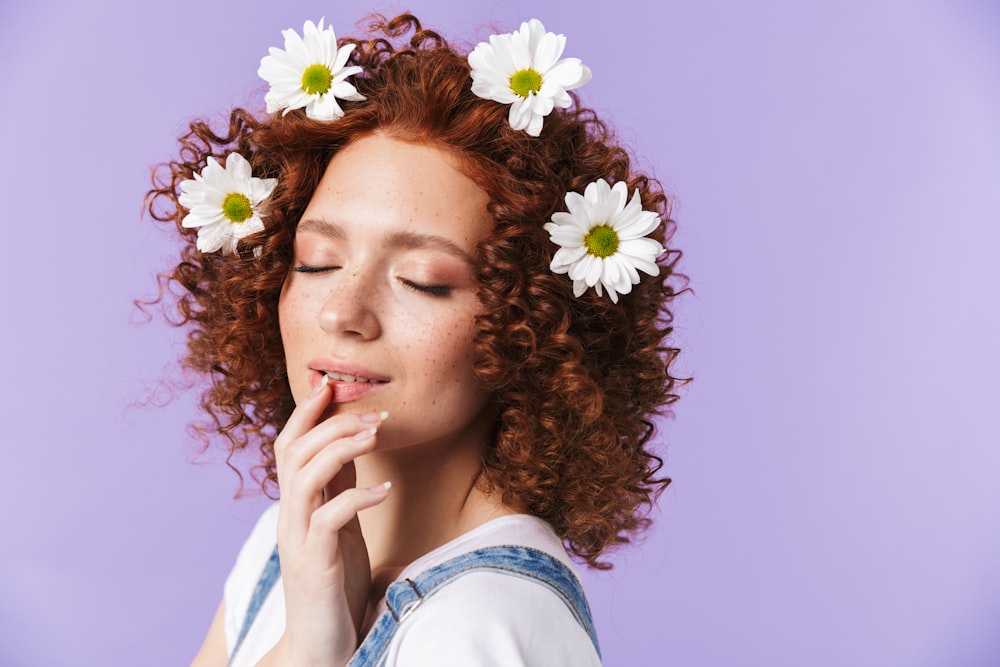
x,y
577,380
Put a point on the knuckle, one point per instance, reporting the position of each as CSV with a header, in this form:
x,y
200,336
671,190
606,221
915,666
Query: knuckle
x,y
294,457
281,444
330,518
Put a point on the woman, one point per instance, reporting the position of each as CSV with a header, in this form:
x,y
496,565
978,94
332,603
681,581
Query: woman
x,y
415,287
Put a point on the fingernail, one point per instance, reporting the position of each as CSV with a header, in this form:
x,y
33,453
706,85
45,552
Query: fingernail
x,y
319,387
380,489
374,417
367,433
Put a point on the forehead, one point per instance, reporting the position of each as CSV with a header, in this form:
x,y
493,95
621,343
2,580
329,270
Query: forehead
x,y
379,183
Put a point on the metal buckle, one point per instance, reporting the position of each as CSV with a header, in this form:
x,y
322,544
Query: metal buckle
x,y
409,610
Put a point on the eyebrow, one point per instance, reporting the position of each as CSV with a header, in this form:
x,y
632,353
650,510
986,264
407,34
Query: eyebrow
x,y
395,239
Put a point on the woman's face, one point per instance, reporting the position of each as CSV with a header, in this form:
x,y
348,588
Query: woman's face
x,y
382,292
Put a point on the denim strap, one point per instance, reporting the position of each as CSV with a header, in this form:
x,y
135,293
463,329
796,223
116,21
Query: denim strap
x,y
405,596
272,570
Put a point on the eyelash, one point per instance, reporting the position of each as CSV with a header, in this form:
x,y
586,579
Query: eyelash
x,y
302,268
432,290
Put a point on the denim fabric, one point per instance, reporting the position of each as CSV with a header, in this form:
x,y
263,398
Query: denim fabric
x,y
272,570
403,597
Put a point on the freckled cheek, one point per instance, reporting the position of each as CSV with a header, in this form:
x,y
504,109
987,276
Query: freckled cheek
x,y
297,306
446,357
293,317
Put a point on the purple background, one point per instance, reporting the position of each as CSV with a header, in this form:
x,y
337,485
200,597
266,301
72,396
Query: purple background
x,y
837,171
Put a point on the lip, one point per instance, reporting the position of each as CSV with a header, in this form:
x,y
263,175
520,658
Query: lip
x,y
346,391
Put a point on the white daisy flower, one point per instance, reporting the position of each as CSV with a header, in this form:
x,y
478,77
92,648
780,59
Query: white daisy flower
x,y
603,240
309,73
523,69
226,204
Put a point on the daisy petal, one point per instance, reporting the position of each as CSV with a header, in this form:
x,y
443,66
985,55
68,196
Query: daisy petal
x,y
613,266
208,195
534,127
494,64
343,53
594,271
284,71
567,74
547,51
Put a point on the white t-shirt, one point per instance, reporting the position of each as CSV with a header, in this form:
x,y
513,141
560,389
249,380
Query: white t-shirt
x,y
480,619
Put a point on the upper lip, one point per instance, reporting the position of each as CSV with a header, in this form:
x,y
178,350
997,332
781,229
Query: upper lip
x,y
346,368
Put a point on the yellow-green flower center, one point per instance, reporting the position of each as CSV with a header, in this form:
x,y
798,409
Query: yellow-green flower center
x,y
525,82
317,79
236,207
601,241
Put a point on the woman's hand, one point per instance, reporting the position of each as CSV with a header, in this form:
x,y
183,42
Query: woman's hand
x,y
324,562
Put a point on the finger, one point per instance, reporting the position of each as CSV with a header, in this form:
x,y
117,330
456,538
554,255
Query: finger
x,y
338,512
310,480
302,493
304,416
299,452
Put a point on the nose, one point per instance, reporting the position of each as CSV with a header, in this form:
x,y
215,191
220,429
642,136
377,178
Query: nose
x,y
351,307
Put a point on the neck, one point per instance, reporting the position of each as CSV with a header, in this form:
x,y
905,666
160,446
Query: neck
x,y
434,499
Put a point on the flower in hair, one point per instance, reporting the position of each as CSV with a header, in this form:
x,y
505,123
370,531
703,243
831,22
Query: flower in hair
x,y
309,73
603,241
226,204
524,69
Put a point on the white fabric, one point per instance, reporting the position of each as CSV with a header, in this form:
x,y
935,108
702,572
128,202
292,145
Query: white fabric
x,y
480,619
239,587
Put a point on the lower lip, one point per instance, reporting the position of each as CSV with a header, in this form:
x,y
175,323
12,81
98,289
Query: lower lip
x,y
344,392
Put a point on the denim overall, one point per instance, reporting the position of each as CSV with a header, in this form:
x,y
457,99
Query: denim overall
x,y
403,597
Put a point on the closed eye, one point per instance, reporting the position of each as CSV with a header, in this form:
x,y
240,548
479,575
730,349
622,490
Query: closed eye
x,y
433,290
302,268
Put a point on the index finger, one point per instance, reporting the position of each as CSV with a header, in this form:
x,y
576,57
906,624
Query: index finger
x,y
307,413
